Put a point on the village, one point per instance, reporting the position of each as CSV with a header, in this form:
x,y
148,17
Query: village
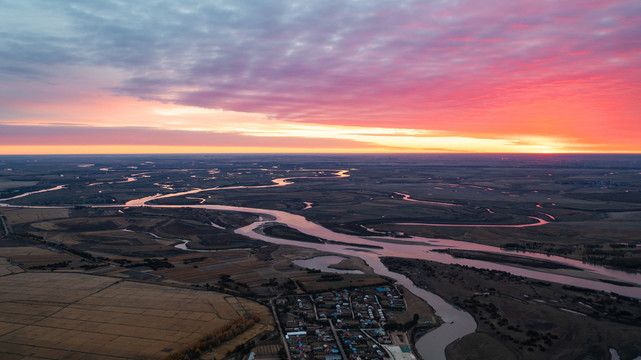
x,y
358,323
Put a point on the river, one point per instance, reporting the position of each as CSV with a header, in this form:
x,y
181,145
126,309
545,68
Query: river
x,y
59,187
457,323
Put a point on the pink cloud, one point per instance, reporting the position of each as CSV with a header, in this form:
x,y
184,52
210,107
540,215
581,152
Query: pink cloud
x,y
566,68
77,135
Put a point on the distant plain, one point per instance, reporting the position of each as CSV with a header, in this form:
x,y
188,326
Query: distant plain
x,y
591,205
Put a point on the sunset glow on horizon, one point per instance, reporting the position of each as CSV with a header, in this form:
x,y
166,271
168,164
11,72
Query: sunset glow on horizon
x,y
320,77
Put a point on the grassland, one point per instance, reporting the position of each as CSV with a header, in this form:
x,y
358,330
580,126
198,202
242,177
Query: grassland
x,y
14,185
520,318
131,232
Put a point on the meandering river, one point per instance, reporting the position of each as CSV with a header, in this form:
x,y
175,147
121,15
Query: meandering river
x,y
457,323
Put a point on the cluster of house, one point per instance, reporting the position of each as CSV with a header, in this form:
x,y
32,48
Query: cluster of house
x,y
345,324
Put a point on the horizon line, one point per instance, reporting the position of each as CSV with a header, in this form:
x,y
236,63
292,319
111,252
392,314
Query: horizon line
x,y
333,153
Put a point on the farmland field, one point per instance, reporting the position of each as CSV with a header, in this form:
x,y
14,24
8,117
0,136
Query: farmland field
x,y
78,316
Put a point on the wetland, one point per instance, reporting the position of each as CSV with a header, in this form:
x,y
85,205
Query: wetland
x,y
545,221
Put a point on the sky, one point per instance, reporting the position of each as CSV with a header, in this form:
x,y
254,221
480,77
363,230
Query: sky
x,y
320,76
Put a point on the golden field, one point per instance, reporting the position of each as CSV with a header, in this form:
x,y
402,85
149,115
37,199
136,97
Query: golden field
x,y
79,316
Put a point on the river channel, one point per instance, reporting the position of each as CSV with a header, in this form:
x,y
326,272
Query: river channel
x,y
457,323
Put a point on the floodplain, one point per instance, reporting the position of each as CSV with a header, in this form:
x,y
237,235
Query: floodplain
x,y
584,208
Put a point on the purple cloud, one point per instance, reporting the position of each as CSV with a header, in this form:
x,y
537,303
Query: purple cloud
x,y
425,64
78,135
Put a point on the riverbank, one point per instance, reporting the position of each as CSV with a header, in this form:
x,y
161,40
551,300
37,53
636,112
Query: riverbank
x,y
523,318
508,259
